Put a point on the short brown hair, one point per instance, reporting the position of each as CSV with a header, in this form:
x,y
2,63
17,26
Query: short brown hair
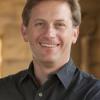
x,y
73,4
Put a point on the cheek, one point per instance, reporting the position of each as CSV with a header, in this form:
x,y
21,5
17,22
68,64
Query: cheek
x,y
31,34
67,38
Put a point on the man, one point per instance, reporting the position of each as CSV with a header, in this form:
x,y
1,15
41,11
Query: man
x,y
50,27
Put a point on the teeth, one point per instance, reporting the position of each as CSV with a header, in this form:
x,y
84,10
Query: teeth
x,y
48,45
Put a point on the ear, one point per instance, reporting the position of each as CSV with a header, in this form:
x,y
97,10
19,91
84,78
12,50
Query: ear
x,y
75,34
24,32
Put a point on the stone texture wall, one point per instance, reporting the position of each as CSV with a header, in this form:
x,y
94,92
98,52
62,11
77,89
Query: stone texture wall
x,y
15,54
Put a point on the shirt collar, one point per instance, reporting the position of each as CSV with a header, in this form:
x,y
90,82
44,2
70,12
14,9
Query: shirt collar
x,y
66,73
27,72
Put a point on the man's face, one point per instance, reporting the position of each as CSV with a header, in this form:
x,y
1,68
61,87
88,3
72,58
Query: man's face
x,y
50,32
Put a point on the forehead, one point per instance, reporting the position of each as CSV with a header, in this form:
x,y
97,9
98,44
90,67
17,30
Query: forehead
x,y
51,9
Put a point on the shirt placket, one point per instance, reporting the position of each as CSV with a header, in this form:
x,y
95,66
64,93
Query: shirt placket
x,y
39,95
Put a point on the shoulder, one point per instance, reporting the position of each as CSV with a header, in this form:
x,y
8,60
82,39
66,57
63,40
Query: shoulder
x,y
11,81
90,85
88,79
9,86
94,92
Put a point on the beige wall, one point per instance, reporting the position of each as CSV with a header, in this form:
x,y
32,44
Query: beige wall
x,y
15,55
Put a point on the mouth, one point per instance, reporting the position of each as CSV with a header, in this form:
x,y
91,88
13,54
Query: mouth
x,y
47,45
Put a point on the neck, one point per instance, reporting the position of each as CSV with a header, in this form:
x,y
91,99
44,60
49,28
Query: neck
x,y
43,70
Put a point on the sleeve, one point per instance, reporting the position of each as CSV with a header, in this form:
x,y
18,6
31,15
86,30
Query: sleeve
x,y
96,96
94,92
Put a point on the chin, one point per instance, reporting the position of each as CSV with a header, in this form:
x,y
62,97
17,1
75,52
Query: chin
x,y
49,60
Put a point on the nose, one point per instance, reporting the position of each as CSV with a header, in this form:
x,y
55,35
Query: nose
x,y
50,31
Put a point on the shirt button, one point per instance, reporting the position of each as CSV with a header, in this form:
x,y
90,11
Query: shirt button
x,y
40,94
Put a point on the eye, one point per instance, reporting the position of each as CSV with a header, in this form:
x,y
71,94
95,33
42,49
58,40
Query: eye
x,y
39,24
60,25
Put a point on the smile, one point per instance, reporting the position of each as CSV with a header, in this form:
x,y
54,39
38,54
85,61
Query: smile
x,y
48,45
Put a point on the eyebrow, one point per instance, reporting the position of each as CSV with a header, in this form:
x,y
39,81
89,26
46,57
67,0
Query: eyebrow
x,y
40,19
60,20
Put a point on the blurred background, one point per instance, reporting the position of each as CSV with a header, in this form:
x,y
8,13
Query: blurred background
x,y
15,54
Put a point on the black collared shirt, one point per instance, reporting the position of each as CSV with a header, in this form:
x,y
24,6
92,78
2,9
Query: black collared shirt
x,y
69,83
